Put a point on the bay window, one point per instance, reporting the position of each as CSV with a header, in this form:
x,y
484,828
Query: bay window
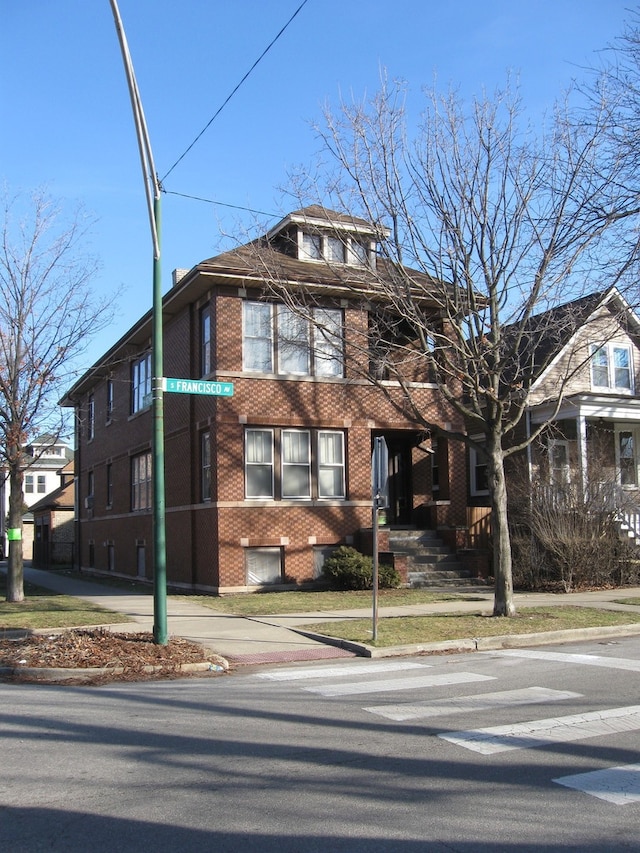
x,y
278,339
294,464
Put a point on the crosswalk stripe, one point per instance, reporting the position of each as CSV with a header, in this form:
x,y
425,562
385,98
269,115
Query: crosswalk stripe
x,y
618,785
392,685
344,669
493,739
562,657
478,702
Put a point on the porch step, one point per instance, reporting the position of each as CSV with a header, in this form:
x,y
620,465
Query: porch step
x,y
454,577
628,523
429,561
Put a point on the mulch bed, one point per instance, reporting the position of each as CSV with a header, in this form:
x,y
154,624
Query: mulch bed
x,y
121,656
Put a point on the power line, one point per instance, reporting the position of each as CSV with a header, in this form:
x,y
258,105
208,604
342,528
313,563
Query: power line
x,y
219,203
228,98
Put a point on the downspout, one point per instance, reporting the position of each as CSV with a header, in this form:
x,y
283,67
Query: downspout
x,y
77,456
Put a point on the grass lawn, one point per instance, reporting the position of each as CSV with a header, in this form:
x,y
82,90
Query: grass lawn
x,y
42,608
307,601
399,631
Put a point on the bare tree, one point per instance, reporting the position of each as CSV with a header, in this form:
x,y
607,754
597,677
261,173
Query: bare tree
x,y
47,316
493,223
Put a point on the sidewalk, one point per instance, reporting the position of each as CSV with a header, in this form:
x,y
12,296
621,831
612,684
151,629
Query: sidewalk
x,y
239,639
281,637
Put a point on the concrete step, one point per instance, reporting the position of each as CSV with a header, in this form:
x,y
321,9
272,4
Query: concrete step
x,y
439,578
429,561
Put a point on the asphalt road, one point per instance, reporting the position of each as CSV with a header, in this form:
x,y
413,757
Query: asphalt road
x,y
353,755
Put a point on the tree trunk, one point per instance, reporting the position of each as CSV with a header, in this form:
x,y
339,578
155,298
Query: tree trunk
x,y
503,604
15,565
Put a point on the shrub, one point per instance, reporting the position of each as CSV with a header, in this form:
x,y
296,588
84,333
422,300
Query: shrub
x,y
566,539
348,569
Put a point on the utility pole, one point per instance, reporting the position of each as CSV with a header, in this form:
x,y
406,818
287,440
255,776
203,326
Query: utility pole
x,y
152,191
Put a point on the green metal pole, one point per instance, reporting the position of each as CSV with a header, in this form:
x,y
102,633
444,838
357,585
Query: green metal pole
x,y
152,192
160,633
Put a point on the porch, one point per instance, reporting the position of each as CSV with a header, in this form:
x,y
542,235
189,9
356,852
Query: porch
x,y
590,455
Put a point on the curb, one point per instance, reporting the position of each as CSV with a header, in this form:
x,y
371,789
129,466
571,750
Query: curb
x,y
58,675
478,644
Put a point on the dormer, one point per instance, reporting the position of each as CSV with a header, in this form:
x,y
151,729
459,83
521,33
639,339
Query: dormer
x,y
316,234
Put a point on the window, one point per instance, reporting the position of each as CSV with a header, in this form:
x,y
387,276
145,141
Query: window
x,y
359,253
205,450
611,367
205,341
91,418
90,484
259,463
294,350
328,342
141,481
331,464
109,399
621,368
311,464
141,383
263,565
627,463
311,246
109,484
321,554
28,484
296,344
141,561
296,464
258,336
42,484
435,466
479,481
559,473
334,249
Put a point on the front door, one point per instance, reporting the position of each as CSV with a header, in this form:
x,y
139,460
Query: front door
x,y
400,483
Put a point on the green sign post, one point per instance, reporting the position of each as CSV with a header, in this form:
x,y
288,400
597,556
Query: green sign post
x,y
198,386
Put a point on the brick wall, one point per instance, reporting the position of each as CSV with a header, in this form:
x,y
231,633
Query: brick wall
x,y
207,541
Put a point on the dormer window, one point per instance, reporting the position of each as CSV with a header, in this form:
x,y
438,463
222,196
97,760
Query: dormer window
x,y
359,252
334,250
311,246
315,246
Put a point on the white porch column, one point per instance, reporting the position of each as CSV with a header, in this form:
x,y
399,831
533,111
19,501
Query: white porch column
x,y
582,452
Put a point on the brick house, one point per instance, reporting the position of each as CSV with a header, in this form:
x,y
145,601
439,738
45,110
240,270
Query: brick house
x,y
260,485
54,523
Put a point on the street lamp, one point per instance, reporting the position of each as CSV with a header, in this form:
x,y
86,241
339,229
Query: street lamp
x,y
152,191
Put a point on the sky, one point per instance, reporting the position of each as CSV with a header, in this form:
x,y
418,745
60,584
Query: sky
x,y
67,123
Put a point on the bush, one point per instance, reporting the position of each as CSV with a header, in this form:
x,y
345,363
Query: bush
x,y
348,569
568,540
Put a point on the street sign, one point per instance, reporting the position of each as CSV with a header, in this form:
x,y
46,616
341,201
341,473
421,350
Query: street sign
x,y
380,472
198,386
